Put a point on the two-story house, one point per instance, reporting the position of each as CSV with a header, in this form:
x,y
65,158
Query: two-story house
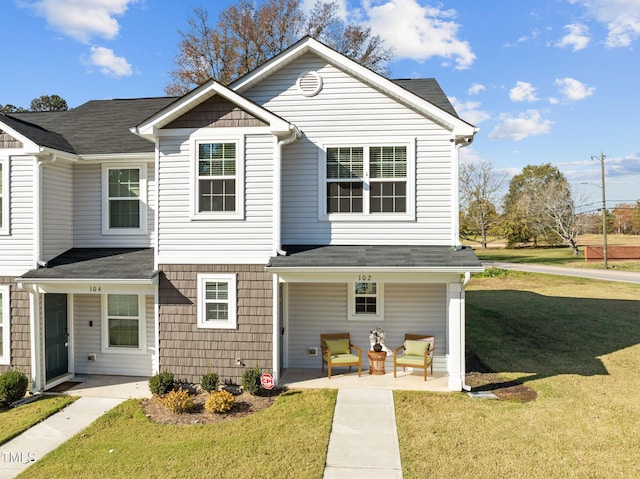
x,y
234,225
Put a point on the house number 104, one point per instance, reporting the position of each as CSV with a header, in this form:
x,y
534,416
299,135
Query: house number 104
x,y
94,289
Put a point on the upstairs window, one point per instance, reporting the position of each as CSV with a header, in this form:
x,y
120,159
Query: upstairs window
x,y
219,179
368,181
124,208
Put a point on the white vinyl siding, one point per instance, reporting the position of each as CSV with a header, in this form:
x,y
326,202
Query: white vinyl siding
x,y
88,211
17,248
87,331
5,334
187,238
57,209
317,308
346,111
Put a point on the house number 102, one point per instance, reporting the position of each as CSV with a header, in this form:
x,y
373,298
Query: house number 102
x,y
364,277
94,289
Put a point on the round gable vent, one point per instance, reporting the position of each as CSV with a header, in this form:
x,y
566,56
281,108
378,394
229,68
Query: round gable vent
x,y
310,83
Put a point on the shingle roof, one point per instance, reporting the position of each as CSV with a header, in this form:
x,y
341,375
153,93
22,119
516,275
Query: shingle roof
x,y
409,257
97,127
428,89
99,264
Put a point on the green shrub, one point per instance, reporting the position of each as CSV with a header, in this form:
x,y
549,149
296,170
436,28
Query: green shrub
x,y
220,402
251,380
178,401
13,386
209,382
161,383
492,273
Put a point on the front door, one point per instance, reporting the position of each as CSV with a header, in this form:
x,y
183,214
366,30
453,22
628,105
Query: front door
x,y
56,337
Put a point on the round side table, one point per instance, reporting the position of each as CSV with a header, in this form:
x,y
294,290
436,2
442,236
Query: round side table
x,y
376,362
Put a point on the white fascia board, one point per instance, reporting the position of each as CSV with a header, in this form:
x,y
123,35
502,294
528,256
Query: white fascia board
x,y
118,157
88,286
370,269
456,125
28,146
149,129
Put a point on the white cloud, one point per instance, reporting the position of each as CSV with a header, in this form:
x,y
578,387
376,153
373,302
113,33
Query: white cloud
x,y
109,63
621,17
469,111
572,89
529,123
418,32
82,19
578,37
523,91
628,165
476,88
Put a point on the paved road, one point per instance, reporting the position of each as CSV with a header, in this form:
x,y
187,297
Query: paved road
x,y
601,274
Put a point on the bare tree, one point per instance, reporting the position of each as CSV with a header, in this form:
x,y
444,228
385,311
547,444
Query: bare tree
x,y
480,186
248,33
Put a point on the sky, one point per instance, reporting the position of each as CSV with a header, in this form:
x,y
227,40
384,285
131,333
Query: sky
x,y
545,81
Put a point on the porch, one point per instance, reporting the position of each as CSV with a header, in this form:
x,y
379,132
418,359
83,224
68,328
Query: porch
x,y
307,378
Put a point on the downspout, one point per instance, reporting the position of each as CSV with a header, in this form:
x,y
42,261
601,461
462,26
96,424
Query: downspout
x,y
463,369
277,189
458,142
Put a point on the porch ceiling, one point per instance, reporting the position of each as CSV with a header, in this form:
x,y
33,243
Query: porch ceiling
x,y
97,264
401,257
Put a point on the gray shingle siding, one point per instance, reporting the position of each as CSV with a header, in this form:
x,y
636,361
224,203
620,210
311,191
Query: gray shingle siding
x,y
189,351
20,329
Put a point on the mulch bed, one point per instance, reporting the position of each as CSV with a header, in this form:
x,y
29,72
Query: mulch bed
x,y
480,378
245,404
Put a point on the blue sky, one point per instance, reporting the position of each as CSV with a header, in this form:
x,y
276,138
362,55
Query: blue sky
x,y
546,81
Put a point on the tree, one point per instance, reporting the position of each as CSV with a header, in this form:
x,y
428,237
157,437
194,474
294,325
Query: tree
x,y
479,188
523,214
9,108
248,33
49,103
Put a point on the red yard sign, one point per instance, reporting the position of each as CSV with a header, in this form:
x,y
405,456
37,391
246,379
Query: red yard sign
x,y
267,381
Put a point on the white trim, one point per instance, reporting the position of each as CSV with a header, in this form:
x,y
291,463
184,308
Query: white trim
x,y
366,215
5,357
231,280
351,299
142,199
5,195
238,214
142,328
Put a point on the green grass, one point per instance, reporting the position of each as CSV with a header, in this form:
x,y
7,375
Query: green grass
x,y
577,343
19,419
287,440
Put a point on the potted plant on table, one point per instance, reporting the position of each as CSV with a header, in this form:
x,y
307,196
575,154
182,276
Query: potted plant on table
x,y
377,337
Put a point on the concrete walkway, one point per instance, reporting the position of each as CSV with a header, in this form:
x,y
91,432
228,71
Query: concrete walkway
x,y
364,439
27,448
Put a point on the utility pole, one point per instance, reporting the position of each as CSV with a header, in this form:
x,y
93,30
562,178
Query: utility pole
x,y
604,212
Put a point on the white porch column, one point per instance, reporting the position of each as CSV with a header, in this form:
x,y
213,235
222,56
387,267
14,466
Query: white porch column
x,y
276,329
456,324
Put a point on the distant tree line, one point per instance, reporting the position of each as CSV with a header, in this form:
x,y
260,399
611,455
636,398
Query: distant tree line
x,y
42,103
539,208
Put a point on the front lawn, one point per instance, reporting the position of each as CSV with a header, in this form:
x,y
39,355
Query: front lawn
x,y
577,343
287,440
19,419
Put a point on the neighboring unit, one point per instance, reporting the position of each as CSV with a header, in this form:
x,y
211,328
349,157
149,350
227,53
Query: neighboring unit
x,y
234,225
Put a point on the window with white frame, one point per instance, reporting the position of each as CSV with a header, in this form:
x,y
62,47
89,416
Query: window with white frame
x,y
366,300
219,179
123,323
371,180
5,337
4,197
124,194
217,301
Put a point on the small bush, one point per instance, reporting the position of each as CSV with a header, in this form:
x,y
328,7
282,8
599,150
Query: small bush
x,y
251,380
492,273
220,402
178,401
161,383
13,386
209,382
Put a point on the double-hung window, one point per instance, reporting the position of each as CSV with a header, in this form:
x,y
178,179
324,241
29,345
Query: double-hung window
x,y
368,181
4,197
219,179
217,301
123,323
366,300
124,191
5,337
